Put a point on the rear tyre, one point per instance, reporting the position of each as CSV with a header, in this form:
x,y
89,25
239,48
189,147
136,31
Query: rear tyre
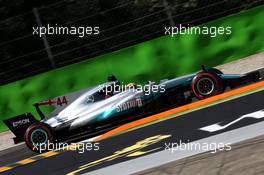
x,y
206,84
38,137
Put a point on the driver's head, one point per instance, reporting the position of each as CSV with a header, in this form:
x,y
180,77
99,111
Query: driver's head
x,y
112,78
131,86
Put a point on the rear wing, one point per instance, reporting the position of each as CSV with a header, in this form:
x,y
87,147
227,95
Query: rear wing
x,y
19,124
58,103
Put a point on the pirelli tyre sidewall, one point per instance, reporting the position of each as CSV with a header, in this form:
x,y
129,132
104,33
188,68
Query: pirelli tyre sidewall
x,y
38,136
206,84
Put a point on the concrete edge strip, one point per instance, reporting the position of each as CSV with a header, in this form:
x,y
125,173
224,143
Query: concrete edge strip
x,y
163,157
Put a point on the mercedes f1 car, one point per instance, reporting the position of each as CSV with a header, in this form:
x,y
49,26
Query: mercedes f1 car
x,y
102,107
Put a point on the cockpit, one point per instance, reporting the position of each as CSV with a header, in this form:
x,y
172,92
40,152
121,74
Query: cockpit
x,y
102,92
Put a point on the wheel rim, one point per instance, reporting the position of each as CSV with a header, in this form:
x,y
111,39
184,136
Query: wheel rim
x,y
39,136
205,86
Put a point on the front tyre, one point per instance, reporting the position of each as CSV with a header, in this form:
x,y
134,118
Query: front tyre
x,y
38,137
206,84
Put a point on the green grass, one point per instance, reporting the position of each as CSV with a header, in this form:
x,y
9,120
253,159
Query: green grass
x,y
157,59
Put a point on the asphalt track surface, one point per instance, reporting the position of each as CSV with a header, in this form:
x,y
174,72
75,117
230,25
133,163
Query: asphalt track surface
x,y
239,160
143,141
15,154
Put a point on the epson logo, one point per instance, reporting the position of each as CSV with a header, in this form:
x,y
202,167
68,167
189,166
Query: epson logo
x,y
20,122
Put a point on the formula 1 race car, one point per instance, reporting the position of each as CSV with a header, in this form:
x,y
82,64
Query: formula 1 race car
x,y
107,105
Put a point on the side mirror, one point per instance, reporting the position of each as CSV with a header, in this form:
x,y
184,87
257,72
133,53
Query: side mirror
x,y
203,68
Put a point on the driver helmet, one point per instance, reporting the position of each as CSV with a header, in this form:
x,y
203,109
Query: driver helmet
x,y
131,86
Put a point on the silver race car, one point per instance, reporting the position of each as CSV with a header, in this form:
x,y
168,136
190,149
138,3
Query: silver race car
x,y
108,105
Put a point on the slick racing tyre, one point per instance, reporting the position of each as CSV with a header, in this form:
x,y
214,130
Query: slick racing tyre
x,y
38,137
206,84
